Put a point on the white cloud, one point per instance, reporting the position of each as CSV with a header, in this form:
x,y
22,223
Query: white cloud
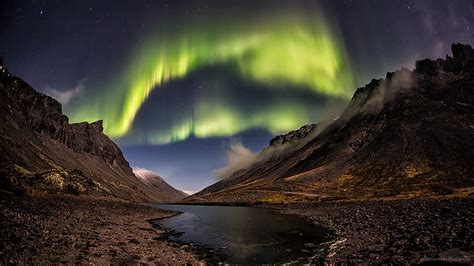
x,y
142,172
64,97
238,157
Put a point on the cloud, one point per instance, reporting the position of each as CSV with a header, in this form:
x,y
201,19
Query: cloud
x,y
138,169
64,97
145,174
141,171
238,157
400,80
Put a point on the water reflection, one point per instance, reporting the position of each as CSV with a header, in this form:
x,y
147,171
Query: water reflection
x,y
245,234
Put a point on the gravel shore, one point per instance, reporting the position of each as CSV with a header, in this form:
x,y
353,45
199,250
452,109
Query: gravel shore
x,y
400,232
70,229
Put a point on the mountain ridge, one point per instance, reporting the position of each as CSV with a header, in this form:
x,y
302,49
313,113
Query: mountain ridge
x,y
406,135
40,151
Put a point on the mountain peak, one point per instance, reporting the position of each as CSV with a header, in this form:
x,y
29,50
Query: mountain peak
x,y
3,71
150,178
39,145
293,136
146,175
407,134
462,53
98,125
462,60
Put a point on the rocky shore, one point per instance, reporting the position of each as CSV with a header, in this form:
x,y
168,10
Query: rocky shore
x,y
71,229
400,232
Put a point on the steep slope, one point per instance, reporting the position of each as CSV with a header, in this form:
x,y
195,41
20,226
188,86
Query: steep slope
x,y
408,134
41,151
159,184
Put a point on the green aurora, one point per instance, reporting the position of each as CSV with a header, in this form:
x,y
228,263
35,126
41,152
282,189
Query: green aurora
x,y
281,51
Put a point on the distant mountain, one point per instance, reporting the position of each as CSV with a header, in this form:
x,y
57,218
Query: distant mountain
x,y
41,151
159,184
409,134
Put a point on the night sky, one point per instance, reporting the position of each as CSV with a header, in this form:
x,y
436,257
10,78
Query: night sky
x,y
181,85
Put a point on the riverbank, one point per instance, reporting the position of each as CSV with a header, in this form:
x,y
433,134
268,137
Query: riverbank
x,y
397,231
71,229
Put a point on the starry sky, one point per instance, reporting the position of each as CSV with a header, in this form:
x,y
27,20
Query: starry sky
x,y
181,84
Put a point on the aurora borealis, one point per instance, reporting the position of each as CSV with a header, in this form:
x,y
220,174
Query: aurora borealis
x,y
284,50
176,81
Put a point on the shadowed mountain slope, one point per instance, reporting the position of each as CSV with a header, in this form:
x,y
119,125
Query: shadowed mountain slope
x,y
41,151
408,134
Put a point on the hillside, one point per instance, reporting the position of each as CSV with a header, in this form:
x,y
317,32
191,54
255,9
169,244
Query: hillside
x,y
406,135
159,184
40,151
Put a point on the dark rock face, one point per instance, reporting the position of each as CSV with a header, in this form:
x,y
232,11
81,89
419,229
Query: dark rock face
x,y
408,134
41,150
3,71
44,115
293,136
463,57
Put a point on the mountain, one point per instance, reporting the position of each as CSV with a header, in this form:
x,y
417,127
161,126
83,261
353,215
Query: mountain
x,y
41,151
406,135
159,184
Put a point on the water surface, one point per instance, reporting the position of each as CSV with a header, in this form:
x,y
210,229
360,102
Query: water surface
x,y
247,234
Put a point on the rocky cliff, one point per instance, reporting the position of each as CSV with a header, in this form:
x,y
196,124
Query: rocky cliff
x,y
294,136
406,135
41,151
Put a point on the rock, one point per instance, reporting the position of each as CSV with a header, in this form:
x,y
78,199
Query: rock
x,y
452,253
427,67
462,54
293,136
40,150
134,241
